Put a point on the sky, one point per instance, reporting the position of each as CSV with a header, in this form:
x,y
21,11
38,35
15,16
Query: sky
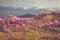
x,y
26,4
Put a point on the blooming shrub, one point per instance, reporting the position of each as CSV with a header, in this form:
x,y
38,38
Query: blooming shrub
x,y
16,24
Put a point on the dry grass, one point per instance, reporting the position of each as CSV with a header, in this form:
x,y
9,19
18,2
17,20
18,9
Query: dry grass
x,y
30,35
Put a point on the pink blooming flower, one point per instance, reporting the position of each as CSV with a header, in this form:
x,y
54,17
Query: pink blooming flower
x,y
30,22
7,30
14,25
24,20
17,27
58,23
40,26
18,19
9,25
46,24
50,26
8,20
50,22
24,25
4,26
1,20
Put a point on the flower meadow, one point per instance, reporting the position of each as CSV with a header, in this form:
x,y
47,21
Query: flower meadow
x,y
41,27
16,24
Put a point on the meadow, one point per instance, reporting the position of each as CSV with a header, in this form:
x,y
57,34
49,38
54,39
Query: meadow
x,y
45,26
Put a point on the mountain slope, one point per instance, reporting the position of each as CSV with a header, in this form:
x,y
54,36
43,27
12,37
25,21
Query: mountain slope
x,y
6,11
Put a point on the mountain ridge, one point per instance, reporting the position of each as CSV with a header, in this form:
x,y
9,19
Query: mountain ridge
x,y
6,11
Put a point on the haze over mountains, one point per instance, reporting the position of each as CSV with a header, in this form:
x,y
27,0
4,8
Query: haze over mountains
x,y
6,11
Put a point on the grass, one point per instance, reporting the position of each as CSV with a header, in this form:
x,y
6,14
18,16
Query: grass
x,y
31,35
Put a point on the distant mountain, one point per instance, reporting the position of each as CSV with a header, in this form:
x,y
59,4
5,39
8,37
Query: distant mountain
x,y
6,11
27,16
